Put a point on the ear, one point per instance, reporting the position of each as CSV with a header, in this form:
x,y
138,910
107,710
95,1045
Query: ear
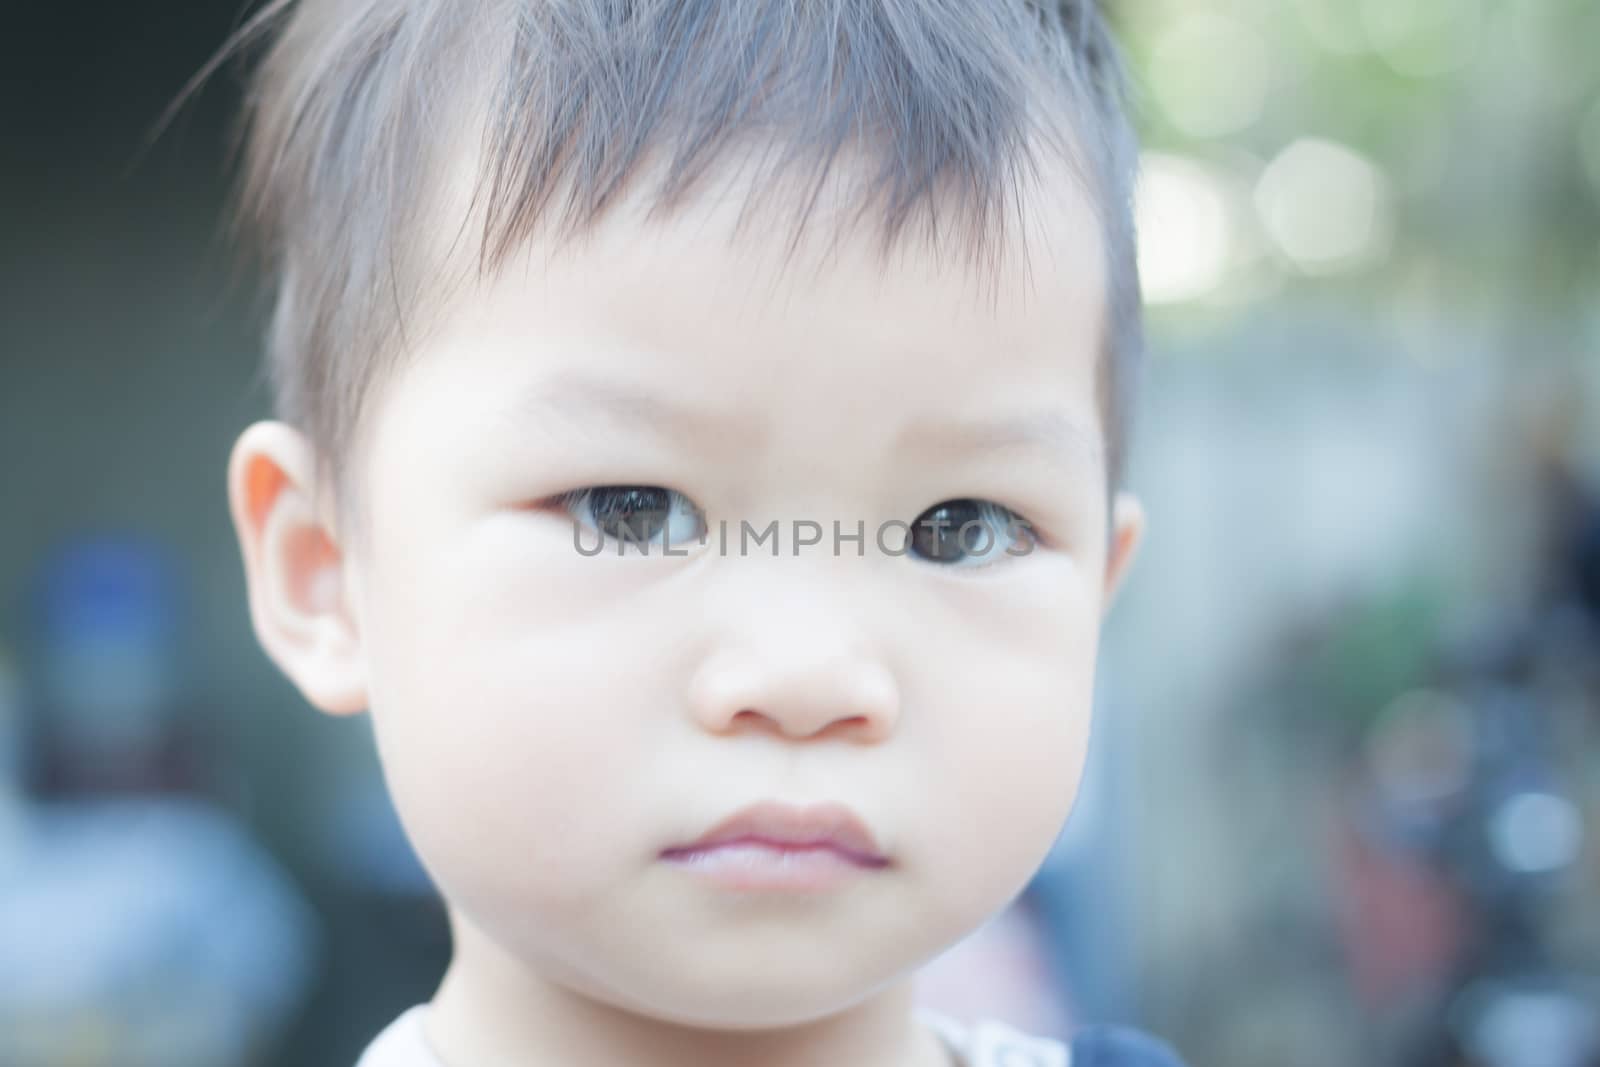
x,y
1127,533
297,575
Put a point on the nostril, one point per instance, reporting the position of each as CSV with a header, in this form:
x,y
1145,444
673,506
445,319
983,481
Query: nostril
x,y
851,724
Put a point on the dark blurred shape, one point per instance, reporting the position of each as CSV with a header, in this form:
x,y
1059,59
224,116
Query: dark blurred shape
x,y
1484,797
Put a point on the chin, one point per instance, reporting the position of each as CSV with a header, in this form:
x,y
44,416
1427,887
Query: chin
x,y
774,1006
759,994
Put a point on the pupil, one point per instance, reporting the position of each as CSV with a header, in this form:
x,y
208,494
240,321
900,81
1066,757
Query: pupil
x,y
943,541
630,512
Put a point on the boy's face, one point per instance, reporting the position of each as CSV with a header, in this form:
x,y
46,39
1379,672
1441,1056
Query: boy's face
x,y
550,721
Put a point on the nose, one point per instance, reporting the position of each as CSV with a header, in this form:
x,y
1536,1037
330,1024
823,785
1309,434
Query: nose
x,y
796,693
795,667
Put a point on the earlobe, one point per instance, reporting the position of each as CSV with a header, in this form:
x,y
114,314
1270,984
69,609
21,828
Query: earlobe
x,y
1127,533
297,576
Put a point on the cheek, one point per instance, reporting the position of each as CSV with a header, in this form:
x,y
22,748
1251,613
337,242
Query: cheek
x,y
1010,725
1018,752
509,730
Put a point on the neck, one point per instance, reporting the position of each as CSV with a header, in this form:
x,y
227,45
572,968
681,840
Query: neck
x,y
492,1011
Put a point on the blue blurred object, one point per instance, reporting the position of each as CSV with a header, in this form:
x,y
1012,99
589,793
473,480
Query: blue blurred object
x,y
111,582
146,933
138,926
106,615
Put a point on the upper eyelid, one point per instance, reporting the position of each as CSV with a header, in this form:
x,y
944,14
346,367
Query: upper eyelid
x,y
1042,538
568,496
573,496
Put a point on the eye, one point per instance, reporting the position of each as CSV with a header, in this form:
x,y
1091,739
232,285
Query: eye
x,y
969,533
638,513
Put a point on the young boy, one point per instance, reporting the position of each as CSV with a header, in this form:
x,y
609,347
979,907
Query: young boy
x,y
721,558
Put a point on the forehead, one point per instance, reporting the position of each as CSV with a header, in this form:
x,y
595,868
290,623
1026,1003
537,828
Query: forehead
x,y
711,306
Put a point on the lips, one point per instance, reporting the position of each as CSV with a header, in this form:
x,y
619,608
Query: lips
x,y
785,826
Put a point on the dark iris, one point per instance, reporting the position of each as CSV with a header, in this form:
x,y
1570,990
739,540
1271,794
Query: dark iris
x,y
633,512
936,535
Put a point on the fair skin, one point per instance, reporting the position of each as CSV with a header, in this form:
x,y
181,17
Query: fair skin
x,y
548,721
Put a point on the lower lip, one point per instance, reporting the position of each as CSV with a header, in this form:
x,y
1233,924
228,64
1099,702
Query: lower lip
x,y
748,866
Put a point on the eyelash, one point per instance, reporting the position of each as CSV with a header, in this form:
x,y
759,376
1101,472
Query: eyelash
x,y
989,510
574,498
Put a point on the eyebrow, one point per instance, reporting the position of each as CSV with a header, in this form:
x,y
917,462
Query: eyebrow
x,y
629,406
1049,431
575,397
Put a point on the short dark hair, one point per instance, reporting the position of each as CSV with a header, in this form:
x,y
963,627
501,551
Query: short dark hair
x,y
350,110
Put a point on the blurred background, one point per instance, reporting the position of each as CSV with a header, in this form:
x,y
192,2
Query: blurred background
x,y
1344,789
